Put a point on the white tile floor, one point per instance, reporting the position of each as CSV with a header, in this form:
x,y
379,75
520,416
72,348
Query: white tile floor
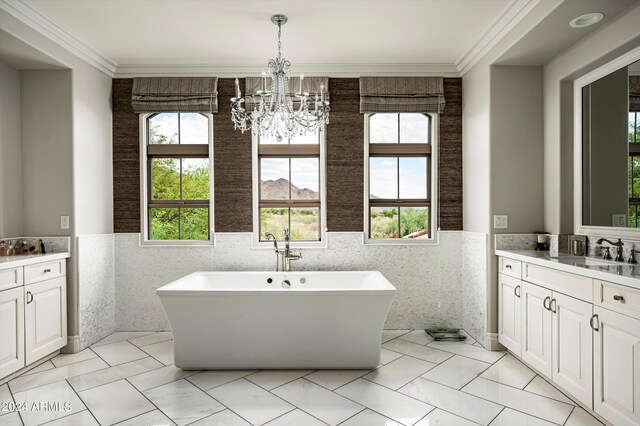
x,y
129,379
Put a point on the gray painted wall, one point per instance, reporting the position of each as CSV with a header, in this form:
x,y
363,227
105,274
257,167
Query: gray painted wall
x,y
10,155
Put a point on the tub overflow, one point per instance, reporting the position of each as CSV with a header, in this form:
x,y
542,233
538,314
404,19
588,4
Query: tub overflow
x,y
303,280
286,284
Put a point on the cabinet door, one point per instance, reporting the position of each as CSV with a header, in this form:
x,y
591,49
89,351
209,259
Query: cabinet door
x,y
11,331
536,327
573,346
616,358
45,318
509,313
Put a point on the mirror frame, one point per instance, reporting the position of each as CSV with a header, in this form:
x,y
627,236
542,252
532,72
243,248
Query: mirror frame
x,y
610,231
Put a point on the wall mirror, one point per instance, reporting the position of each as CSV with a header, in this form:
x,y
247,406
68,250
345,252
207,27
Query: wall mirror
x,y
607,148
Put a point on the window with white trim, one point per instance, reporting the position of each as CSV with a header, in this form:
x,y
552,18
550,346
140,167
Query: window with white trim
x,y
176,176
400,170
289,181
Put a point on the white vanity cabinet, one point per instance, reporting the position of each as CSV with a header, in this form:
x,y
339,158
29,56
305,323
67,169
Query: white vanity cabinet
x,y
33,313
555,335
509,314
11,330
616,355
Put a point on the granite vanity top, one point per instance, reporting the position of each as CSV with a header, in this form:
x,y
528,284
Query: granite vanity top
x,y
606,270
7,262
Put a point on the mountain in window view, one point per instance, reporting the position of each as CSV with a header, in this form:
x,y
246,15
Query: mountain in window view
x,y
279,190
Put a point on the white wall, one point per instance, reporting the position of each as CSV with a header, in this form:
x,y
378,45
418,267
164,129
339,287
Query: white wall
x,y
10,155
92,151
617,37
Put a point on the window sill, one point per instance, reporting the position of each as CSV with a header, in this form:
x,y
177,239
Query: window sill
x,y
294,245
175,243
401,241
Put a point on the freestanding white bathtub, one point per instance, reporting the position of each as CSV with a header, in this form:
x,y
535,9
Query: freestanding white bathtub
x,y
247,320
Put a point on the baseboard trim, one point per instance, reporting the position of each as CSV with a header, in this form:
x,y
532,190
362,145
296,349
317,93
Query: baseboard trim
x,y
492,343
73,345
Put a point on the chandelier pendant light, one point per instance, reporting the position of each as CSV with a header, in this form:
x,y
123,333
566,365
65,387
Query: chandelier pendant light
x,y
277,112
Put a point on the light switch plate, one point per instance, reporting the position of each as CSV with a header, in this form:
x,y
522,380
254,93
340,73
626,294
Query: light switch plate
x,y
64,222
500,221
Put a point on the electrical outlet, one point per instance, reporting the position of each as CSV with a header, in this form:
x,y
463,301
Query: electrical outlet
x,y
619,220
500,221
64,222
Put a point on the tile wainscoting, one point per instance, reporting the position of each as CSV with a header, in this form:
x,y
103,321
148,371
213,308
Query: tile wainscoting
x,y
96,288
437,285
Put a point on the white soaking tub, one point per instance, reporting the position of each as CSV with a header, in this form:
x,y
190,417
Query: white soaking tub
x,y
248,320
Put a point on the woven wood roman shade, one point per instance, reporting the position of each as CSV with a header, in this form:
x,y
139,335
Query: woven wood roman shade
x,y
175,94
311,86
401,94
634,93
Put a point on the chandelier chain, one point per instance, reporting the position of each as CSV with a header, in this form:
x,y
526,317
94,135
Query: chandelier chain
x,y
279,43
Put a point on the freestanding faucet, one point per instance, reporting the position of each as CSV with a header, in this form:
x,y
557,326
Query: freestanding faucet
x,y
285,256
618,246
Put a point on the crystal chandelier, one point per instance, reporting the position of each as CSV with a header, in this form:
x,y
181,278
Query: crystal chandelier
x,y
273,111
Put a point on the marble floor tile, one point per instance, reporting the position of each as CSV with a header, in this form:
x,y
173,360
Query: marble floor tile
x,y
318,401
113,374
162,351
370,418
417,336
5,398
396,406
579,417
47,365
30,381
119,336
160,376
457,371
459,403
333,379
119,352
392,334
295,418
509,417
532,404
222,418
58,393
399,372
469,340
509,371
425,353
470,351
115,402
541,387
440,417
183,402
212,379
150,339
269,379
12,419
250,401
386,356
83,418
154,418
65,359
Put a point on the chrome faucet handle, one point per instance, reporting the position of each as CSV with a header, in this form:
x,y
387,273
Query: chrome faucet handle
x,y
287,235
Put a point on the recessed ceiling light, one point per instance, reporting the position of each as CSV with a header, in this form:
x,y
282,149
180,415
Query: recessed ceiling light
x,y
586,20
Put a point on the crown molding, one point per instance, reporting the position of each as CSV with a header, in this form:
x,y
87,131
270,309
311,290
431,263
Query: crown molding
x,y
331,70
34,18
511,15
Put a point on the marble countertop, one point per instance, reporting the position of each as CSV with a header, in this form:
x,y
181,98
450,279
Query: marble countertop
x,y
7,262
605,270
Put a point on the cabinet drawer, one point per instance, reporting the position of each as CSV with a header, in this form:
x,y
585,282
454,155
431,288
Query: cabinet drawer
x,y
618,298
44,271
509,267
10,278
572,285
